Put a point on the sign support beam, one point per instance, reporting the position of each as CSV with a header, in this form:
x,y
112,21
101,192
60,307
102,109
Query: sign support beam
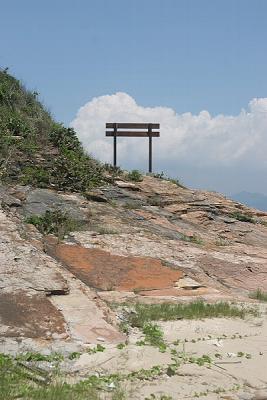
x,y
132,130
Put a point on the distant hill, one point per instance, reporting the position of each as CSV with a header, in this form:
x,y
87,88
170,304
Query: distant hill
x,y
255,200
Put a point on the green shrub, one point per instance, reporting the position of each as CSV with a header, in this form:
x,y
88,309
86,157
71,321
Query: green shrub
x,y
36,176
54,222
242,217
258,295
36,150
135,176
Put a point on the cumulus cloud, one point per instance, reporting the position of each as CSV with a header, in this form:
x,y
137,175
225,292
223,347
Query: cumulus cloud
x,y
197,140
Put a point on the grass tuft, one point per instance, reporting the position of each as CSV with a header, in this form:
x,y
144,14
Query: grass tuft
x,y
259,295
242,217
145,313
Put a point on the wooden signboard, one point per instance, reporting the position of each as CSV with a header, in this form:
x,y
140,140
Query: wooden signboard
x,y
132,130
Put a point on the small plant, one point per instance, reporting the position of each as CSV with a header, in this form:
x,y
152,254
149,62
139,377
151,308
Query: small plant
x,y
192,239
242,217
121,346
154,336
105,230
222,242
135,176
113,170
99,348
259,295
74,356
31,356
155,201
131,205
164,177
54,222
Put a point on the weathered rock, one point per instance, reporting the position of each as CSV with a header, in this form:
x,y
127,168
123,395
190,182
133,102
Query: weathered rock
x,y
38,201
32,316
188,283
260,395
127,185
96,195
102,270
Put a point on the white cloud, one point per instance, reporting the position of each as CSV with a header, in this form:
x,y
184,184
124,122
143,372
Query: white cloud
x,y
199,140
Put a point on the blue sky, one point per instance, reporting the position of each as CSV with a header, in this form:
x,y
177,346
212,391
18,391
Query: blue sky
x,y
188,55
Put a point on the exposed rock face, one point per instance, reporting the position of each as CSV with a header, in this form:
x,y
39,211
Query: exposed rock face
x,y
150,239
33,287
22,266
102,270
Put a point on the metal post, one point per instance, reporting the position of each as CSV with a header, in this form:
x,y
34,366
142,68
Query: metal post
x,y
115,146
150,149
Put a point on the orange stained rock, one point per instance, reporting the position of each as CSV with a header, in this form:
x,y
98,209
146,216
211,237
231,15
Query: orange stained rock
x,y
105,271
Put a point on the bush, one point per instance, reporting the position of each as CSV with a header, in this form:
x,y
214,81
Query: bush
x,y
135,176
36,176
54,222
242,217
36,150
259,295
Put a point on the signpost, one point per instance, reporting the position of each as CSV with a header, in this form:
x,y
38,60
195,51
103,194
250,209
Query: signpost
x,y
132,130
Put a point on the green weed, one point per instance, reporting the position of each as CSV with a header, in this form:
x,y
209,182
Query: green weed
x,y
96,349
154,336
135,176
54,222
259,295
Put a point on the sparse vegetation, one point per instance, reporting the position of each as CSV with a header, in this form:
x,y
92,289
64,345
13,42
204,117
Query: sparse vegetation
x,y
259,295
154,336
155,201
164,177
192,239
105,230
135,176
242,217
36,150
98,348
131,205
114,171
55,222
145,313
32,356
160,397
222,242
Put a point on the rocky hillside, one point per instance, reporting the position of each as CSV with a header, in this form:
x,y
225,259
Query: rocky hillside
x,y
132,286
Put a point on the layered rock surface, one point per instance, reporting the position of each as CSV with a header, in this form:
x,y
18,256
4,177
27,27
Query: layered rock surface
x,y
151,241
